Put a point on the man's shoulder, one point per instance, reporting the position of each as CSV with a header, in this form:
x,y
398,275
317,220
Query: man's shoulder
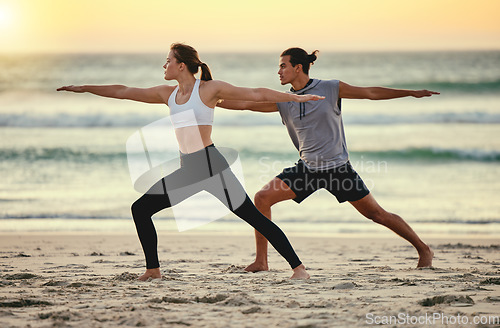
x,y
330,81
320,83
329,87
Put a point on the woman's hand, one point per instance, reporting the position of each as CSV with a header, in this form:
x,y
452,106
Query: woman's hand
x,y
304,98
72,88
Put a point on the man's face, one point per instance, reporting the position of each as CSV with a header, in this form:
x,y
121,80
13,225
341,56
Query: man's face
x,y
286,71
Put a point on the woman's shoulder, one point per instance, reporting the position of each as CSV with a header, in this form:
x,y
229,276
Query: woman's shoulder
x,y
164,88
212,82
213,86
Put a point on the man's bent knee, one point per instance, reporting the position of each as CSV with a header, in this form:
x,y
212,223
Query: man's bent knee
x,y
262,199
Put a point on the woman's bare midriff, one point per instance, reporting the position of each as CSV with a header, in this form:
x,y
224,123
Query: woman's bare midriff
x,y
193,138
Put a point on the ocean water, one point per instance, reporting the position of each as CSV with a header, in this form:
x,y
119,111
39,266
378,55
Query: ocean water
x,y
434,161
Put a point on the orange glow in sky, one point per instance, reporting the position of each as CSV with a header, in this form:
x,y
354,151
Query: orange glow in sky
x,y
258,25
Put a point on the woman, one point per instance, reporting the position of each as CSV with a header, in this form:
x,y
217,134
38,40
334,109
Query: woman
x,y
191,106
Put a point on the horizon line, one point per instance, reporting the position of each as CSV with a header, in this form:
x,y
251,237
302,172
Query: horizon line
x,y
344,51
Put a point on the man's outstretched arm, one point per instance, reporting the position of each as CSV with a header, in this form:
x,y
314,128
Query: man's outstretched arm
x,y
379,93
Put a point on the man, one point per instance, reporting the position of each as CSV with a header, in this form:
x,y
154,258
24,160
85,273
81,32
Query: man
x,y
317,132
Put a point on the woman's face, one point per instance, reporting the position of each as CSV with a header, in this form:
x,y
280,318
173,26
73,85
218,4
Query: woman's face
x,y
171,67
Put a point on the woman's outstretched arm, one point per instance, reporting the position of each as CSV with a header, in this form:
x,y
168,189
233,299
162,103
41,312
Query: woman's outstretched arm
x,y
154,95
263,107
224,90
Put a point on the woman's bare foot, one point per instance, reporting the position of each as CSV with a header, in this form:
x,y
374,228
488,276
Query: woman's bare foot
x,y
425,258
300,273
257,266
151,273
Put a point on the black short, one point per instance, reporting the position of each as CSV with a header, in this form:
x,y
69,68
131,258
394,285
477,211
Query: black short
x,y
343,182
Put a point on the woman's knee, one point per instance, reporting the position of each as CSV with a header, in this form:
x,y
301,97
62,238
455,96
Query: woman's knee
x,y
148,205
136,208
142,206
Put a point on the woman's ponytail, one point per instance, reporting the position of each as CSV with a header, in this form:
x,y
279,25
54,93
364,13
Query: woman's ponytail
x,y
189,56
206,75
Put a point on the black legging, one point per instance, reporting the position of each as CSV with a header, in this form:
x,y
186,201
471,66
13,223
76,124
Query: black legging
x,y
197,170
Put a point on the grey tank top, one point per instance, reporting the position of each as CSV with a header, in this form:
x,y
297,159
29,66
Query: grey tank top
x,y
316,127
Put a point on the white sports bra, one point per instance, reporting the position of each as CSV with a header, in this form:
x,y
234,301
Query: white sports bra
x,y
193,112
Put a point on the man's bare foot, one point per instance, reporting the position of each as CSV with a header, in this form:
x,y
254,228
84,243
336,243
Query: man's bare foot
x,y
425,258
151,273
300,273
256,267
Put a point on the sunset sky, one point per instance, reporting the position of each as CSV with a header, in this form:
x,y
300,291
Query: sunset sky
x,y
39,26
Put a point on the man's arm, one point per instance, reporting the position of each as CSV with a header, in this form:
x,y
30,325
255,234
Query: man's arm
x,y
379,93
248,105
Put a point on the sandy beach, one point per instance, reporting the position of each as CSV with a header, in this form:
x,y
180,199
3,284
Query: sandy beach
x,y
89,280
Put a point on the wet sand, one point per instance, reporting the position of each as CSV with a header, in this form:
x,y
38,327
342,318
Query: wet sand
x,y
89,280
